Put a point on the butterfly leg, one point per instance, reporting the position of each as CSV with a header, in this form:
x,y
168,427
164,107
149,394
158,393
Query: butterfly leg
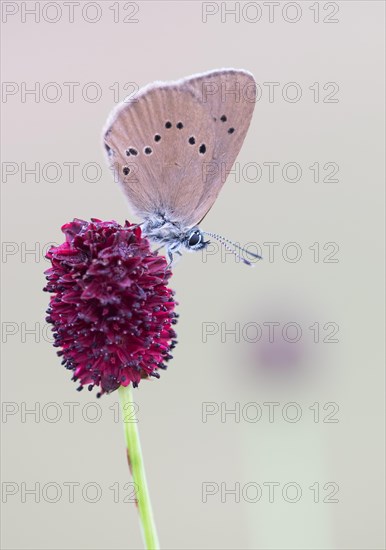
x,y
172,249
170,256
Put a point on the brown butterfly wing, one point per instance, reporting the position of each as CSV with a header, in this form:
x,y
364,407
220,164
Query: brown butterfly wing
x,y
230,97
172,144
154,146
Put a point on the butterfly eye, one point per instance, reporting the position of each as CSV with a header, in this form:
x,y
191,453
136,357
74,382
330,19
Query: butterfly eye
x,y
194,238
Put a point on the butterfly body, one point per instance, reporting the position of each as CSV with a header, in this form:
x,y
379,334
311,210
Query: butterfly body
x,y
173,235
172,146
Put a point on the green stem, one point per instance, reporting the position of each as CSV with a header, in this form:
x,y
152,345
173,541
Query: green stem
x,y
137,468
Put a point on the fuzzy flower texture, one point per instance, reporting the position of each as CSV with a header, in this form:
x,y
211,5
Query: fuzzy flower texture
x,y
111,311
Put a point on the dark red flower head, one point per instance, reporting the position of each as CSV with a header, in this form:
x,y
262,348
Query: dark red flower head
x,y
111,310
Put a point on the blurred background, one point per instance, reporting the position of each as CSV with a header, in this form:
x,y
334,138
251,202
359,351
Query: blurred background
x,y
267,429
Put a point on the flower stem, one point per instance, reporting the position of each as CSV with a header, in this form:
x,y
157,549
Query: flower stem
x,y
137,468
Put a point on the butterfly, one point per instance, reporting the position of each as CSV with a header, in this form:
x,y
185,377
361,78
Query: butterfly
x,y
171,147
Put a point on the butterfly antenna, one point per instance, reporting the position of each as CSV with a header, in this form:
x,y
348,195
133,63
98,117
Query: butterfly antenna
x,y
226,242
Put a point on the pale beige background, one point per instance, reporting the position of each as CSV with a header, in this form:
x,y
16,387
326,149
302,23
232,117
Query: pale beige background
x,y
168,42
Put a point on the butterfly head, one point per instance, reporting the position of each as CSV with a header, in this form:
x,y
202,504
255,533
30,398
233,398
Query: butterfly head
x,y
173,235
194,239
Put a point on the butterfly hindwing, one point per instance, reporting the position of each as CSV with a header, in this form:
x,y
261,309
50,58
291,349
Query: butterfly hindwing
x,y
157,146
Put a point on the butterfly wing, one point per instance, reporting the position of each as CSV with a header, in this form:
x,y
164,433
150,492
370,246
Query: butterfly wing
x,y
230,97
172,144
157,146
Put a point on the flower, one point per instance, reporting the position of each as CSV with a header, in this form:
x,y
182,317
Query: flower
x,y
111,311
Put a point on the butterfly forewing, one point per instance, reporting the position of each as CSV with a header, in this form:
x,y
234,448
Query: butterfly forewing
x,y
230,97
172,144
